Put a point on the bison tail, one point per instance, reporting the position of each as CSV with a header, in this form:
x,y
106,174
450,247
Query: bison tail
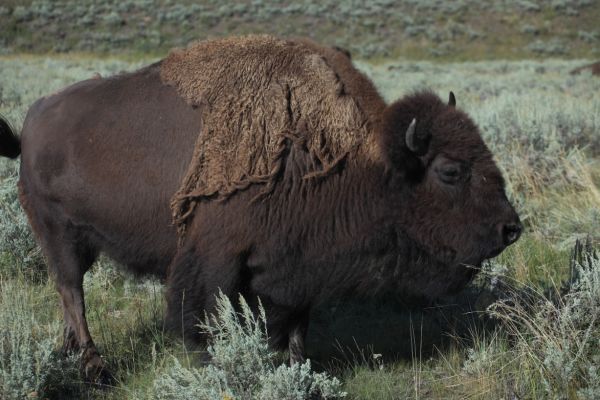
x,y
10,145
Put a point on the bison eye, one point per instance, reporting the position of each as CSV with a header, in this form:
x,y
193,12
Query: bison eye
x,y
452,173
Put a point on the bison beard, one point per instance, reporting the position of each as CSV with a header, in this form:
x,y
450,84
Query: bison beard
x,y
290,180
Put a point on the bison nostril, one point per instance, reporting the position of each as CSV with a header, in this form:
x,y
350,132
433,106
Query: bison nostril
x,y
511,232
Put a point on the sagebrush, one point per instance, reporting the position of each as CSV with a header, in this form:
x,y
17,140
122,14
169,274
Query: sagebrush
x,y
27,357
558,338
241,364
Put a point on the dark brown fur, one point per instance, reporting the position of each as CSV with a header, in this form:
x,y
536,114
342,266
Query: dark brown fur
x,y
102,158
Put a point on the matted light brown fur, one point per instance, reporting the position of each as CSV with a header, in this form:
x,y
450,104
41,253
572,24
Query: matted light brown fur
x,y
257,95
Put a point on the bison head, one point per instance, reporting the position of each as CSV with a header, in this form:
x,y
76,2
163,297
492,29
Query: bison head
x,y
450,194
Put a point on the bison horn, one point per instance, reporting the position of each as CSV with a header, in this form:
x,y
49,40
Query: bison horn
x,y
415,143
410,137
452,100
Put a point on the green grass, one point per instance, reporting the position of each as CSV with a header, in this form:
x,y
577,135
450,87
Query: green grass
x,y
543,126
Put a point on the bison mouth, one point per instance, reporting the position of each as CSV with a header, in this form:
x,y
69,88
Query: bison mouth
x,y
495,252
476,264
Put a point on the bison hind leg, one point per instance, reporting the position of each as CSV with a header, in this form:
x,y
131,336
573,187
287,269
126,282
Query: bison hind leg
x,y
69,254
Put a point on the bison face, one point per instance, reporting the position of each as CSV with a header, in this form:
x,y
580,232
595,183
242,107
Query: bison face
x,y
451,198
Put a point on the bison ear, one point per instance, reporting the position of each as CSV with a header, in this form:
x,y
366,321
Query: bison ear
x,y
416,141
452,100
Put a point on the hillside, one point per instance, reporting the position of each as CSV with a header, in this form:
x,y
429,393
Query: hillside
x,y
431,29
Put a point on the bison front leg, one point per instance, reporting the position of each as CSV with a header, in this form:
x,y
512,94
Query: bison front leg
x,y
186,296
297,337
194,281
286,329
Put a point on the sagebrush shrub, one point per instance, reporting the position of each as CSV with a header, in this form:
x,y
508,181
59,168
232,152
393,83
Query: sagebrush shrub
x,y
242,366
560,336
18,248
26,348
298,382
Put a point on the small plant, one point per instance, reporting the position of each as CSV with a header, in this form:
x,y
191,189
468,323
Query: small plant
x,y
559,335
26,350
551,47
18,248
242,366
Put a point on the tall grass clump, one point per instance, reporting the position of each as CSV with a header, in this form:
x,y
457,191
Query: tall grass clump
x,y
19,252
26,346
242,366
557,337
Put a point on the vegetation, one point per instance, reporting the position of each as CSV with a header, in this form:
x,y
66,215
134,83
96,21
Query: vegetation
x,y
25,355
457,30
556,339
242,366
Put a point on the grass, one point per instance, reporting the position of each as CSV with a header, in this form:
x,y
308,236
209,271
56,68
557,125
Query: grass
x,y
542,125
542,348
428,29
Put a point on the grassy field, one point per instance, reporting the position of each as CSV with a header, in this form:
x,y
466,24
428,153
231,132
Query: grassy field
x,y
424,29
542,124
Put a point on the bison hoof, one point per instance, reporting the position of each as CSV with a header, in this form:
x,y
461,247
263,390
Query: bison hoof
x,y
94,369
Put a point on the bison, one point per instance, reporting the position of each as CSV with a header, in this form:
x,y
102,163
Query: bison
x,y
594,68
410,199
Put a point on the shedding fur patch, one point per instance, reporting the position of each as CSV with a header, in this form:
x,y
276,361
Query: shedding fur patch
x,y
259,95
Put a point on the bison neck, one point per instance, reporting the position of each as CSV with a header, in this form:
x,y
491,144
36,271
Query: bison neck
x,y
315,238
366,252
333,232
347,237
